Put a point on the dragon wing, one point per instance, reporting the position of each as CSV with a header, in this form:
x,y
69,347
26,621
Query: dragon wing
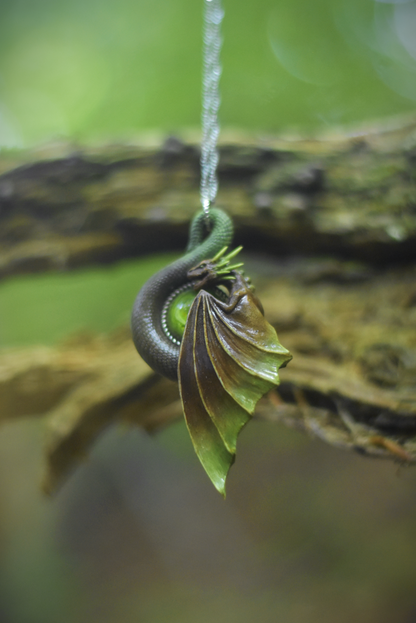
x,y
228,360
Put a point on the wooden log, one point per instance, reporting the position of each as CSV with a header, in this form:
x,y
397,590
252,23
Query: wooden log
x,y
352,195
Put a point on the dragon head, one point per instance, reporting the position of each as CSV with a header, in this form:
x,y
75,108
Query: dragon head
x,y
216,270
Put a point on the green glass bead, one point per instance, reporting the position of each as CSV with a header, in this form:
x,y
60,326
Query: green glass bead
x,y
178,312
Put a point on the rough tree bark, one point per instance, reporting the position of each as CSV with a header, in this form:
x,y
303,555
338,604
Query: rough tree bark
x,y
334,219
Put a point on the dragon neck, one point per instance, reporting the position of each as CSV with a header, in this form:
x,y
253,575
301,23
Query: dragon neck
x,y
149,337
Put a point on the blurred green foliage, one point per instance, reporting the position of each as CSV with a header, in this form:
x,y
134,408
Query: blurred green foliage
x,y
88,69
43,309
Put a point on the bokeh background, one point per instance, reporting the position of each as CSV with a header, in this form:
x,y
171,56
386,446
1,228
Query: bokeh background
x,y
90,69
307,533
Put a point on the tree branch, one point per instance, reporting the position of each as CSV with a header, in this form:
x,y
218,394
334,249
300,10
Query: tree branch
x,y
66,207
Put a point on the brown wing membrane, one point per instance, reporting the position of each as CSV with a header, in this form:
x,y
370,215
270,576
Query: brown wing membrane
x,y
228,359
228,416
208,444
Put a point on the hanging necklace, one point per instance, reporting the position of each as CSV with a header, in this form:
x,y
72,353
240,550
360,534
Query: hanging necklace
x,y
197,321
